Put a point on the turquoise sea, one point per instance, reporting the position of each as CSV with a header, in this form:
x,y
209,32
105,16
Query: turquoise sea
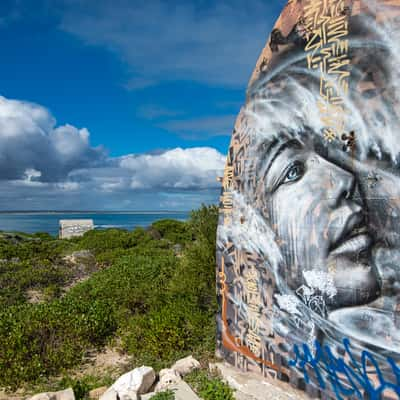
x,y
31,222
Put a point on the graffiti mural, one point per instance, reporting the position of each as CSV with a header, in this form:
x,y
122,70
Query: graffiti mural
x,y
308,241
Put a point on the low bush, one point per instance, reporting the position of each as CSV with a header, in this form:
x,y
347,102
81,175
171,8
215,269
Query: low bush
x,y
162,306
83,385
168,333
99,241
209,386
18,275
184,322
39,340
176,232
167,395
32,247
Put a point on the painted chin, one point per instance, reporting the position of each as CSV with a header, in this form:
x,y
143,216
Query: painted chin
x,y
355,280
353,272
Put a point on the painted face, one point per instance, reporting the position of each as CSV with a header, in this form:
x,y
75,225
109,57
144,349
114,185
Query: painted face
x,y
320,224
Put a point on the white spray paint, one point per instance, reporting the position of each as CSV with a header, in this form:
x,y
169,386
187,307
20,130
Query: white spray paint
x,y
322,281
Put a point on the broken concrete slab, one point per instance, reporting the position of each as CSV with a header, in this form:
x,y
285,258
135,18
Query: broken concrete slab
x,y
186,365
67,394
168,377
138,380
181,389
250,386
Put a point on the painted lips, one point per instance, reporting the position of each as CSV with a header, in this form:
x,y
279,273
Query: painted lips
x,y
353,245
355,237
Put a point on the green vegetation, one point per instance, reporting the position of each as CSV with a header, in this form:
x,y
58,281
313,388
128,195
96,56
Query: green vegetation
x,y
35,263
167,395
83,386
209,386
173,231
135,287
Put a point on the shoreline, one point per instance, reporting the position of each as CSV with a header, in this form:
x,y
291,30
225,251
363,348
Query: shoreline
x,y
34,222
93,212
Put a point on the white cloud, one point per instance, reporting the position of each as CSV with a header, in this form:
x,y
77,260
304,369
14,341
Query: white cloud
x,y
69,141
30,141
179,168
31,173
31,178
43,166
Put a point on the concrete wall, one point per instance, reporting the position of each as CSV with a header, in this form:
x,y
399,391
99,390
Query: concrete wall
x,y
74,227
309,232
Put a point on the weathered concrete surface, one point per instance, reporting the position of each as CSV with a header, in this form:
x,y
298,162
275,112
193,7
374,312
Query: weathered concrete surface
x,y
250,386
139,380
74,227
168,377
181,389
67,394
186,365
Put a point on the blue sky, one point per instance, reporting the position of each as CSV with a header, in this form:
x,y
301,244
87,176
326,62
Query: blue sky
x,y
123,104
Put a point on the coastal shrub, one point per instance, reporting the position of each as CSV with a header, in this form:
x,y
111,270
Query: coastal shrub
x,y
194,278
173,230
209,386
83,385
134,284
203,225
161,305
186,322
109,245
38,340
166,334
42,236
215,389
30,249
108,239
167,395
80,387
17,277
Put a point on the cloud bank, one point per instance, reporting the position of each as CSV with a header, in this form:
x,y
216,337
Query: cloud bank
x,y
45,166
30,140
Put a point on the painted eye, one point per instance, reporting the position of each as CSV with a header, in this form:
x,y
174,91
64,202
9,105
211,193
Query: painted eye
x,y
295,172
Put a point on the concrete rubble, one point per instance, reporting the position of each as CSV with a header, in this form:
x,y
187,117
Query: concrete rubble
x,y
140,384
136,384
168,377
249,386
181,390
67,394
186,365
131,384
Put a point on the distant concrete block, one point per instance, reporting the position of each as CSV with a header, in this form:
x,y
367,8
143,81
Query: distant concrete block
x,y
74,227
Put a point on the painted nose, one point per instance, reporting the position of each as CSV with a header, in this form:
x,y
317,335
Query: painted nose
x,y
342,184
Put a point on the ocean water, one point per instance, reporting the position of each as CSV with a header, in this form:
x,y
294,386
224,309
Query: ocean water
x,y
31,222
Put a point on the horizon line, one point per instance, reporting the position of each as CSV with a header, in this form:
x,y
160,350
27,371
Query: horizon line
x,y
92,211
